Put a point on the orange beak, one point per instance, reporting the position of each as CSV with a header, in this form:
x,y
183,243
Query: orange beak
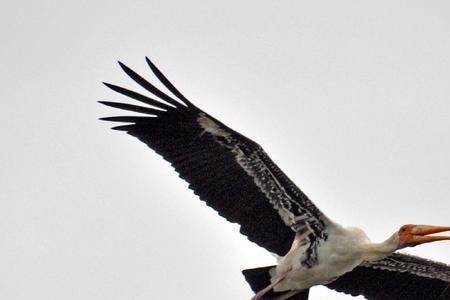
x,y
413,235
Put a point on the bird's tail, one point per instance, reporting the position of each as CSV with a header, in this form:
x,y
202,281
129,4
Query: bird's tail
x,y
259,278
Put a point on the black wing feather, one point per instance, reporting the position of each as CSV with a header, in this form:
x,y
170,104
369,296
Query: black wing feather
x,y
218,179
148,86
135,108
398,277
127,119
137,96
167,83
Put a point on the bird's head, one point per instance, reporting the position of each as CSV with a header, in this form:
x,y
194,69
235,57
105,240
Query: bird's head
x,y
412,235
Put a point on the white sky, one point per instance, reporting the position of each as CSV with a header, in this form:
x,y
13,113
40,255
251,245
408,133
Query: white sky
x,y
350,98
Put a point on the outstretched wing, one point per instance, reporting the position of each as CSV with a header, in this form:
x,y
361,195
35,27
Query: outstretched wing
x,y
397,277
230,172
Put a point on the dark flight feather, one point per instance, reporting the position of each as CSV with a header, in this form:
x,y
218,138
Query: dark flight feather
x,y
135,108
148,86
137,96
167,83
127,119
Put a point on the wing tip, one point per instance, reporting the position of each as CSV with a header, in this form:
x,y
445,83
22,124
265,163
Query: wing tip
x,y
108,103
121,64
107,84
149,62
163,79
109,119
128,70
122,127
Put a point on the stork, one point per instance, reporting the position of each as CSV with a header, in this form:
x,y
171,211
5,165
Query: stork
x,y
236,177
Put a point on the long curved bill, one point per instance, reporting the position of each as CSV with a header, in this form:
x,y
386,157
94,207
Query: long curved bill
x,y
420,234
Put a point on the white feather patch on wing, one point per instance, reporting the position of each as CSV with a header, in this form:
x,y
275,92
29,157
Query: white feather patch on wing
x,y
210,126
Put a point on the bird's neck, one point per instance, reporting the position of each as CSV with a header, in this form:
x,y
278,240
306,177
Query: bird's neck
x,y
377,251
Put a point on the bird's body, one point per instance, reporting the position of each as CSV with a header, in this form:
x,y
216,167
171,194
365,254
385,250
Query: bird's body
x,y
235,176
341,253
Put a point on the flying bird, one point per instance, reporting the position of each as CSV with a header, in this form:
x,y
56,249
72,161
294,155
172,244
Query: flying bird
x,y
236,177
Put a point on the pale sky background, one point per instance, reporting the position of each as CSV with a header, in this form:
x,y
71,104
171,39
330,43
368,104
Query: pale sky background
x,y
350,98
